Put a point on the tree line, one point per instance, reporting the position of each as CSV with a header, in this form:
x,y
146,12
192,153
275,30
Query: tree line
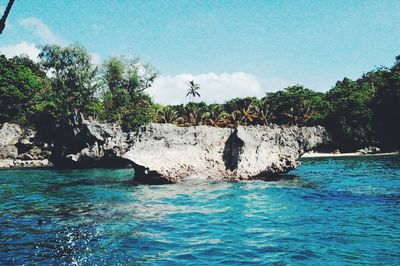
x,y
45,94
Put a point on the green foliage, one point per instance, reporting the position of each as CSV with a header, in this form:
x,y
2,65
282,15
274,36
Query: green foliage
x,y
166,115
262,112
297,105
350,117
142,111
73,78
124,99
357,113
96,109
116,104
386,107
73,84
20,81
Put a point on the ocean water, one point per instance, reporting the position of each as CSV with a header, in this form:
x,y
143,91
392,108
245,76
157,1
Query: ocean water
x,y
328,211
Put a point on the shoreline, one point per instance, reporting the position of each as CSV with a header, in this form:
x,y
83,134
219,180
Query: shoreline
x,y
22,164
349,154
18,164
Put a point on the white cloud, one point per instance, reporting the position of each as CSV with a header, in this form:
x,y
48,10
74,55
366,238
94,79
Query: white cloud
x,y
40,29
213,87
29,49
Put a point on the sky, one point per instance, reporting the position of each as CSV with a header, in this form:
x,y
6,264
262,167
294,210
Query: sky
x,y
231,48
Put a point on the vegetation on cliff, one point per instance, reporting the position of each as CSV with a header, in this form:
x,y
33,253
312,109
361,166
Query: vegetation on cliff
x,y
357,113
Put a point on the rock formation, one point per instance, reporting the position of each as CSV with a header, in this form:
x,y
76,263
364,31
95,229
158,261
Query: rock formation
x,y
84,143
21,148
369,150
9,136
164,153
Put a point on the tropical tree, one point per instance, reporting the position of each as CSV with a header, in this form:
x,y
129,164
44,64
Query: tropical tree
x,y
215,115
193,90
350,118
21,80
262,113
125,100
297,105
129,74
386,106
241,110
234,119
167,115
194,113
141,111
73,79
113,72
245,110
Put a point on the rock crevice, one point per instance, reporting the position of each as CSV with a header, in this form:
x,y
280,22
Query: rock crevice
x,y
232,150
165,152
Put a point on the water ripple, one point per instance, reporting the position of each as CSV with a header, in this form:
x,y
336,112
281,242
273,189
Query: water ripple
x,y
328,211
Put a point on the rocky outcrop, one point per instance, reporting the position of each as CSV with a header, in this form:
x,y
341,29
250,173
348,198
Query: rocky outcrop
x,y
7,163
31,148
77,144
9,136
369,150
21,148
164,153
84,143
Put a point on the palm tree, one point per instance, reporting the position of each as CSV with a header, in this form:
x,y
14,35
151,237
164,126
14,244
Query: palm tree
x,y
262,113
245,111
193,89
234,119
216,118
298,114
195,115
187,114
168,115
199,116
215,115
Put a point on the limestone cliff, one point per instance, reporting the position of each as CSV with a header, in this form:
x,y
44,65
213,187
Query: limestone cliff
x,y
167,153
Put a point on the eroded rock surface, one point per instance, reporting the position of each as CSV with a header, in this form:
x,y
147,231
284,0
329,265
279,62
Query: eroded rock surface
x,y
20,148
9,136
167,153
88,143
164,153
369,150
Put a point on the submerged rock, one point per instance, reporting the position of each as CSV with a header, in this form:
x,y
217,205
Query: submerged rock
x,y
164,153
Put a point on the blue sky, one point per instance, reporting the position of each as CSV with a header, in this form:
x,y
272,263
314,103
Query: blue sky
x,y
233,48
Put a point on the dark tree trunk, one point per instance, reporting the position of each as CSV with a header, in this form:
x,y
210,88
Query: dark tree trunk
x,y
5,15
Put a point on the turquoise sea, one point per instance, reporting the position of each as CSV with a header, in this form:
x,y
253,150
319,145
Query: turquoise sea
x,y
327,212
